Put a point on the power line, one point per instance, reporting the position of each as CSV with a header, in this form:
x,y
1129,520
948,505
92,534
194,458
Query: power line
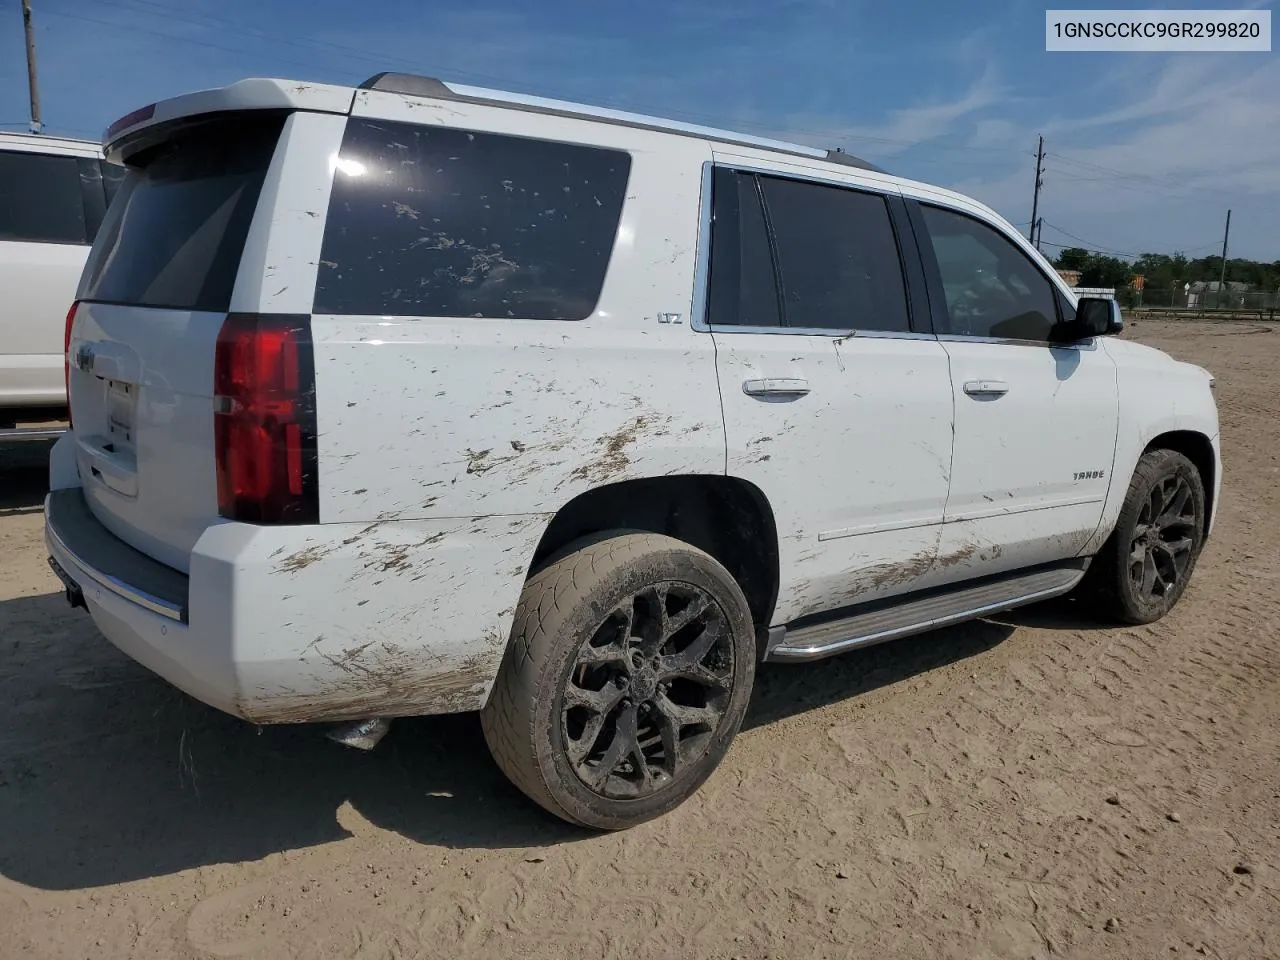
x,y
226,27
1105,253
1121,174
1162,186
129,28
381,59
1094,248
1141,187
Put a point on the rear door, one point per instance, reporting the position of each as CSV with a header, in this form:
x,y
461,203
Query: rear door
x,y
1036,419
836,407
45,229
154,294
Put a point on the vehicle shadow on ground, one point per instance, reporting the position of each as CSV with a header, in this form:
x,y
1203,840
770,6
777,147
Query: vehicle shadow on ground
x,y
1063,613
783,690
24,476
107,774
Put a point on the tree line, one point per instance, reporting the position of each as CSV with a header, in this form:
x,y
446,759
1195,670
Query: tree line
x,y
1163,271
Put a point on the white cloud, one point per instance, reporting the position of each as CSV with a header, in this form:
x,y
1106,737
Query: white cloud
x,y
1159,169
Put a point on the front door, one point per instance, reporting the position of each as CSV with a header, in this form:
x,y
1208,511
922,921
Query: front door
x,y
834,408
1035,420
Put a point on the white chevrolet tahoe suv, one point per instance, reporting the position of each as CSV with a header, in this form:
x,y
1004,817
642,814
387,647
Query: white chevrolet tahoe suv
x,y
53,195
419,398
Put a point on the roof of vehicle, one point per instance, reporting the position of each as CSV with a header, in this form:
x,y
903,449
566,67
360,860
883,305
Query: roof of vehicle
x,y
37,141
418,86
260,93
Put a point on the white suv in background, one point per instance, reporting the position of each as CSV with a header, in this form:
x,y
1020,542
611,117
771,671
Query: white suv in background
x,y
418,398
53,195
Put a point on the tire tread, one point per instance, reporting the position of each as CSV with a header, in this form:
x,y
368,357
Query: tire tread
x,y
507,718
1107,576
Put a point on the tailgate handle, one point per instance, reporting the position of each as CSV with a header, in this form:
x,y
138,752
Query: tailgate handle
x,y
106,359
776,387
116,470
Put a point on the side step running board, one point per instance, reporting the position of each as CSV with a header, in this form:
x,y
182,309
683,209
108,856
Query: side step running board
x,y
862,628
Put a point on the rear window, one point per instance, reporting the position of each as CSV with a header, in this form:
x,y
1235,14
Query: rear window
x,y
41,199
433,222
176,227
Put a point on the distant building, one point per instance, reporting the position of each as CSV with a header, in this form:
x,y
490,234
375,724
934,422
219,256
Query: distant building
x,y
1213,286
1072,277
1211,293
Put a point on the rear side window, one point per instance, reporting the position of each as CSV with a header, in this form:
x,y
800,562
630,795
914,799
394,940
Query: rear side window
x,y
837,257
176,227
435,222
41,199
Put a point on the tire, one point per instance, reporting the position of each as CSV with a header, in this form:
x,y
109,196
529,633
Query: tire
x,y
1143,568
606,711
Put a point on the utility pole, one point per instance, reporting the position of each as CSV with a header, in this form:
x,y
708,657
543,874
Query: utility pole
x,y
1039,229
31,66
1035,200
1222,279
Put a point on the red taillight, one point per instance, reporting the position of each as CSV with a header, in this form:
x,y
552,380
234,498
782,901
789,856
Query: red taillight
x,y
66,356
265,420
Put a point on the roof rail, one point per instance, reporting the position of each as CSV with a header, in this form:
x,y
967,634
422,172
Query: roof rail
x,y
415,86
849,160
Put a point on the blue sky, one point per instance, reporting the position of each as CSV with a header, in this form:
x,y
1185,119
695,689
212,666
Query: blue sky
x,y
1146,151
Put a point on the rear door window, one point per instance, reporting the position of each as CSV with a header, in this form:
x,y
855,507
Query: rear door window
x,y
435,222
176,227
837,257
40,198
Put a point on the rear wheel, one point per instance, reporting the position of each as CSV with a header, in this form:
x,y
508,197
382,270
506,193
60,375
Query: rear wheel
x,y
629,670
1145,565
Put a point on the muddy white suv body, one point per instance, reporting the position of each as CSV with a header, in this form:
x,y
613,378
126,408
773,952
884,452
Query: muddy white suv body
x,y
397,400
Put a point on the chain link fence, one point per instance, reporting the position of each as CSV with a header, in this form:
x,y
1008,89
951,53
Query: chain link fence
x,y
1261,303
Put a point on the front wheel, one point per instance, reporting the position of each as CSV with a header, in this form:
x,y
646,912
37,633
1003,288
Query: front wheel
x,y
628,673
1145,565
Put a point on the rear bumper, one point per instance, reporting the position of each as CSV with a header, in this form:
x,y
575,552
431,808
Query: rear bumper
x,y
101,562
137,603
309,623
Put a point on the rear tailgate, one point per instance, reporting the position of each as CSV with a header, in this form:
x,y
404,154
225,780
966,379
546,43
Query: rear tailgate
x,y
153,298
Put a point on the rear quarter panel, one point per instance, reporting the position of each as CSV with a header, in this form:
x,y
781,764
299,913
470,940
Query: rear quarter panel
x,y
448,417
447,444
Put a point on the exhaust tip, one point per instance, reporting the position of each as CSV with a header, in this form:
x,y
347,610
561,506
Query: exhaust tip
x,y
360,734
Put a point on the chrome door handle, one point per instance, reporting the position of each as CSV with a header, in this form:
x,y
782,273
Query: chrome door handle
x,y
986,388
776,387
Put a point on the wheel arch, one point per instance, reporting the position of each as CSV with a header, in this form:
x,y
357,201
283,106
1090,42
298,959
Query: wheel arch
x,y
1197,448
727,517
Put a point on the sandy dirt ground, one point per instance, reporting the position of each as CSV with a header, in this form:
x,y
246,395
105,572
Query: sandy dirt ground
x,y
1033,786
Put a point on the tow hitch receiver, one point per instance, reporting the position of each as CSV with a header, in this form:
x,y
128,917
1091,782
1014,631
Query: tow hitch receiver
x,y
74,595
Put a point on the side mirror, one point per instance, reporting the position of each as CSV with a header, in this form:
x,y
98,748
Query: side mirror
x,y
1096,317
